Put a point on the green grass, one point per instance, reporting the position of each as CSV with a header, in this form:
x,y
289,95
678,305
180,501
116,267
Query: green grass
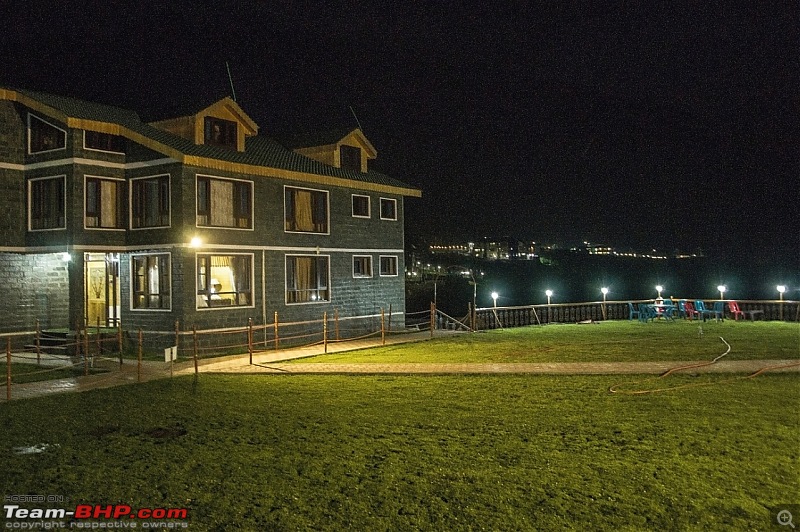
x,y
494,452
22,373
611,341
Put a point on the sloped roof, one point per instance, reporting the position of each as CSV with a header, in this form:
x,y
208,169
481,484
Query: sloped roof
x,y
260,150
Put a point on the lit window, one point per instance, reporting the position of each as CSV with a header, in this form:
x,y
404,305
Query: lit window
x,y
219,132
362,266
47,203
361,206
105,200
306,210
350,158
95,140
307,279
150,202
388,209
151,281
224,203
388,266
44,136
224,280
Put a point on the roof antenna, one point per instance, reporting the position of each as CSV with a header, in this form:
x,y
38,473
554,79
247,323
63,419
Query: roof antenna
x,y
233,92
357,122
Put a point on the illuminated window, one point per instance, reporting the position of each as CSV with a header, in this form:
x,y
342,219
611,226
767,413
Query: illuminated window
x,y
47,203
388,209
150,202
44,136
307,279
362,266
305,210
224,203
219,132
150,275
350,158
361,207
388,266
105,200
95,140
224,280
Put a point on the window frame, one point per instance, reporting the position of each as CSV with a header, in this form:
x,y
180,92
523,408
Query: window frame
x,y
207,208
392,201
121,202
362,275
353,206
62,215
327,288
111,137
162,294
205,278
327,194
394,260
30,136
133,198
230,127
348,159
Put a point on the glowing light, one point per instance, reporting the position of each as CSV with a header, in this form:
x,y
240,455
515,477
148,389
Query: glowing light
x,y
196,242
604,290
66,257
781,288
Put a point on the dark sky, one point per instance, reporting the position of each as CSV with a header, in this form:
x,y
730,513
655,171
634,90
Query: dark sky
x,y
669,126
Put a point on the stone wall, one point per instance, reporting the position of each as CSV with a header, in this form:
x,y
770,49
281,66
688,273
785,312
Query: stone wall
x,y
40,292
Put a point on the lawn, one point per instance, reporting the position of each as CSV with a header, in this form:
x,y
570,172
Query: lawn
x,y
494,452
610,341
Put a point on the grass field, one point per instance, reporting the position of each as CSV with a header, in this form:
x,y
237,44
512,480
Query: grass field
x,y
493,452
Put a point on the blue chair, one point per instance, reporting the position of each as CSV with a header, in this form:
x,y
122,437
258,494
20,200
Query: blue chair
x,y
719,310
701,309
682,308
632,312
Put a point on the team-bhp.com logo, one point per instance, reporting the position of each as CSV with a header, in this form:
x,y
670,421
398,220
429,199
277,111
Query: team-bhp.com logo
x,y
86,515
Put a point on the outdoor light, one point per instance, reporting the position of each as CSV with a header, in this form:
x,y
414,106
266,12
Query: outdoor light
x,y
605,292
66,257
495,295
781,289
195,242
549,294
659,288
722,289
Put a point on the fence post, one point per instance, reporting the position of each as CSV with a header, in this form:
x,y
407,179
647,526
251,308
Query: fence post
x,y
389,325
38,344
8,368
139,358
336,323
99,344
177,336
325,331
433,317
383,328
250,338
275,324
194,349
85,350
119,341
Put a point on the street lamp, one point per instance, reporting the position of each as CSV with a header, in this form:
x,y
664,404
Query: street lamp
x,y
495,295
549,294
781,289
659,288
722,288
605,293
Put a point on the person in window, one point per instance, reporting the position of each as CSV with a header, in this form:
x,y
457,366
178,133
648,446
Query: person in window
x,y
216,286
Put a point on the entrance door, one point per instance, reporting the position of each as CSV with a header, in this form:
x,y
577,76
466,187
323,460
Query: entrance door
x,y
101,280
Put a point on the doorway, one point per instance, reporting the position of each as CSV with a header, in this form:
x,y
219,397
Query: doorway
x,y
101,289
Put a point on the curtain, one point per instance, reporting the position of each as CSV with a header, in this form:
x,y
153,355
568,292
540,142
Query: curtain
x,y
108,208
302,211
222,203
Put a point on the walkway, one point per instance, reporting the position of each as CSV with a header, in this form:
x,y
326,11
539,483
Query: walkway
x,y
273,362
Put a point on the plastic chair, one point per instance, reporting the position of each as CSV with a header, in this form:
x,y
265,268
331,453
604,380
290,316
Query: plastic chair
x,y
733,306
701,309
689,310
719,310
632,312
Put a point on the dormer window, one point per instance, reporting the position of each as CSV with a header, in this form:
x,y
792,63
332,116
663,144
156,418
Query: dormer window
x,y
219,132
44,136
350,158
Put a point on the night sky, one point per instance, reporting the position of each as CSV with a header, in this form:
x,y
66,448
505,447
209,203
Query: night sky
x,y
669,127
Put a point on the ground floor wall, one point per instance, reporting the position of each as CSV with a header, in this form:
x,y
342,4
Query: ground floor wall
x,y
37,289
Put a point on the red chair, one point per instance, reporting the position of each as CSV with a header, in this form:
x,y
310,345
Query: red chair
x,y
733,306
688,308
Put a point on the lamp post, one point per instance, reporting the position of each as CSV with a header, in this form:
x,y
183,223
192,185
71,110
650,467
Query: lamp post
x,y
605,293
722,288
495,295
781,289
549,294
659,289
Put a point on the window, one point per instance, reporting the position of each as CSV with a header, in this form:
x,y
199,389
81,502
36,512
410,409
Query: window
x,y
150,202
44,136
362,266
306,211
361,206
388,209
350,158
388,266
150,275
224,280
219,132
307,279
47,203
105,200
224,203
95,140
